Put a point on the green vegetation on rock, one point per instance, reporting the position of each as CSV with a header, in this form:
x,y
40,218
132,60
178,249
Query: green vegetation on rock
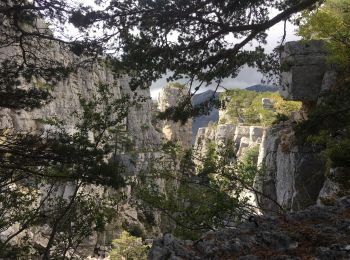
x,y
128,247
198,199
244,106
330,22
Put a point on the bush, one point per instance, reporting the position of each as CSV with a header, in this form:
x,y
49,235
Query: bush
x,y
128,247
244,106
330,22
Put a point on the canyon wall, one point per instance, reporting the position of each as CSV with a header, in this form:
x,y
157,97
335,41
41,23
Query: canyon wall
x,y
295,173
145,140
241,137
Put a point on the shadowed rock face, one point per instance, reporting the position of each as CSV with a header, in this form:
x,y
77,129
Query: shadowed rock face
x,y
315,233
66,95
303,69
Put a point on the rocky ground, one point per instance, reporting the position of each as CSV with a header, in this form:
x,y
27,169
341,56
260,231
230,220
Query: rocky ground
x,y
314,233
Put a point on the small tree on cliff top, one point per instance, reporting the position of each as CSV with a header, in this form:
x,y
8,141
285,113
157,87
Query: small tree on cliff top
x,y
330,22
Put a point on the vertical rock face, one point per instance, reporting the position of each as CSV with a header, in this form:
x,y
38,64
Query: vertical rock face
x,y
294,174
66,100
170,96
242,137
213,113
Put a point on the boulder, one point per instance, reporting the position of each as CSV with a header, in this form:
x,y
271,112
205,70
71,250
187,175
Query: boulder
x,y
268,103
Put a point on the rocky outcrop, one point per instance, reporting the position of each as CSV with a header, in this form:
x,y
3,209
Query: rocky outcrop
x,y
293,174
171,96
314,233
268,103
335,184
303,69
83,84
242,137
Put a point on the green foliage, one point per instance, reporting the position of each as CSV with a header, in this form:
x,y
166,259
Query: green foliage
x,y
328,127
198,199
200,50
128,247
280,118
244,106
36,166
339,152
135,230
249,164
330,22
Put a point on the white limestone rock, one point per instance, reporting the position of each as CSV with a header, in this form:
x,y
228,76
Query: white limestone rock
x,y
333,184
294,174
268,103
242,137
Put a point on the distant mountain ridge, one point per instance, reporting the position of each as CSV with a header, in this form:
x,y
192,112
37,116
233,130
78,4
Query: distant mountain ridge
x,y
262,88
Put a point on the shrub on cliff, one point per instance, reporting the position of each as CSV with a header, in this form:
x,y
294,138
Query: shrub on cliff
x,y
330,22
194,200
128,247
35,166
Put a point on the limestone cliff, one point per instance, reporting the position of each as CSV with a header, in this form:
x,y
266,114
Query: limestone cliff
x,y
242,137
295,173
66,100
145,140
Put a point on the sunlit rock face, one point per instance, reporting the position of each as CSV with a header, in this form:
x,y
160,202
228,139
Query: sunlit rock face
x,y
84,84
241,137
212,115
293,174
171,96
